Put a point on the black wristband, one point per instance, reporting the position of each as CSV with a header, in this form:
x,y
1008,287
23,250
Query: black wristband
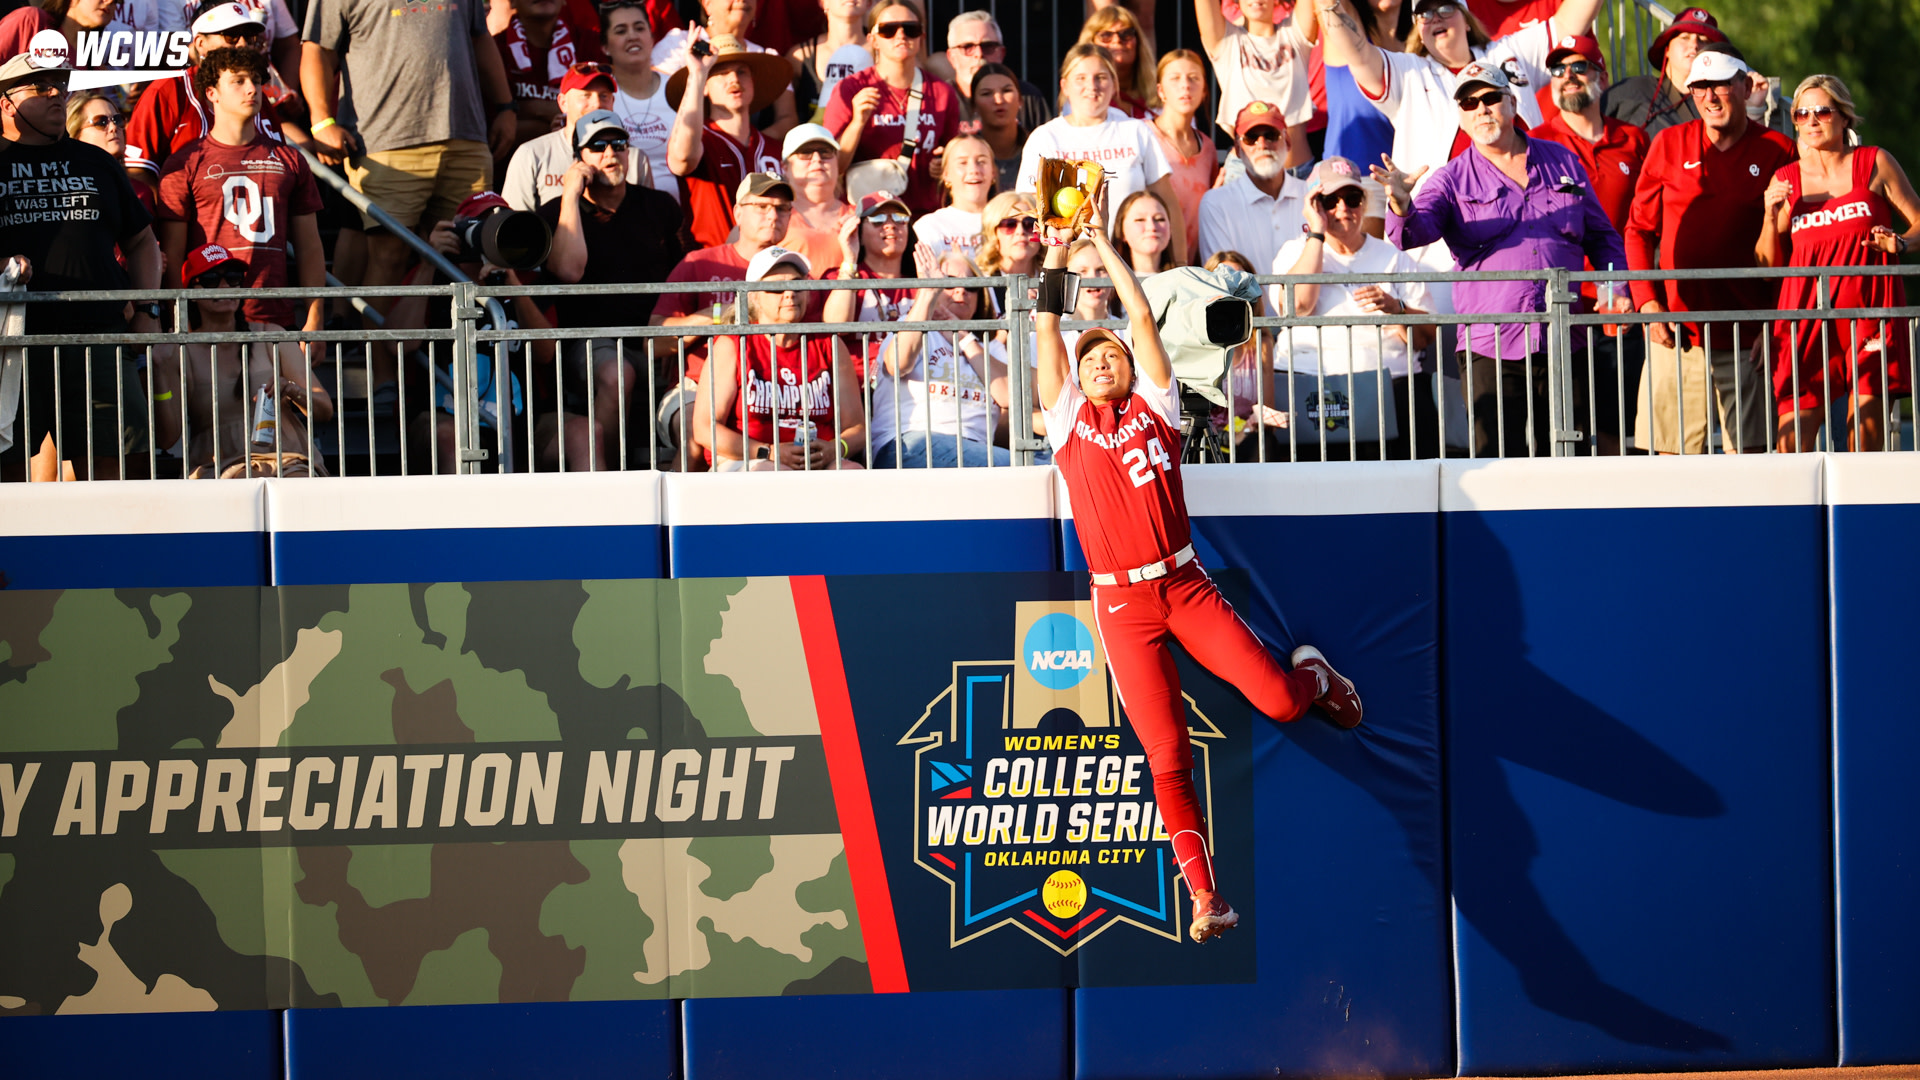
x,y
1320,236
1054,287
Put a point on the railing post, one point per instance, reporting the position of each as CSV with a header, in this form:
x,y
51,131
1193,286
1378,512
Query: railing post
x,y
1021,439
467,313
1560,418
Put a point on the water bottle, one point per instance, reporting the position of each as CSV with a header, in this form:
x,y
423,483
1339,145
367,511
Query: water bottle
x,y
266,415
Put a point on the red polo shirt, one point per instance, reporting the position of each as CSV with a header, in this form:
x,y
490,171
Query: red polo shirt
x,y
1696,206
1613,163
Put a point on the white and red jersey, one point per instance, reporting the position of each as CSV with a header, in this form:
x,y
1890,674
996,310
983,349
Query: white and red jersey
x,y
1122,468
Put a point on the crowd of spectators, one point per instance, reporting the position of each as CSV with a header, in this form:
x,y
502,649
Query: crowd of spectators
x,y
709,142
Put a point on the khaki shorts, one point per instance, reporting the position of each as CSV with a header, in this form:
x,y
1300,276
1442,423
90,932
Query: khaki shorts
x,y
426,182
1743,425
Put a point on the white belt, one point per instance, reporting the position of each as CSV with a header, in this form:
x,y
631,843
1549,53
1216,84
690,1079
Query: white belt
x,y
1153,571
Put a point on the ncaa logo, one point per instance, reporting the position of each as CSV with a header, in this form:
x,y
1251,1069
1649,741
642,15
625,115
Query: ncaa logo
x,y
48,49
1058,651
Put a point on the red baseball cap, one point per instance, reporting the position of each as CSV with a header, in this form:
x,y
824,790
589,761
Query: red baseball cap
x,y
1691,21
204,258
1259,114
1582,45
584,74
480,205
875,201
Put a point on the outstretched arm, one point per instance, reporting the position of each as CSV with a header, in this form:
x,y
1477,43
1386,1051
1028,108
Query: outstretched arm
x,y
1575,16
1348,47
1050,352
1149,355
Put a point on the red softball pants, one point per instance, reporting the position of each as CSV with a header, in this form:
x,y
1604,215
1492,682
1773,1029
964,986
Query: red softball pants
x,y
1138,625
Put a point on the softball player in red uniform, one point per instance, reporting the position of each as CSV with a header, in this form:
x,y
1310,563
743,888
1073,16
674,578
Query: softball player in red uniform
x,y
1113,417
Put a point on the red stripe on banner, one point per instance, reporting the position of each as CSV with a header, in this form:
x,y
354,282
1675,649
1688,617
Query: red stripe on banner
x,y
841,741
1069,931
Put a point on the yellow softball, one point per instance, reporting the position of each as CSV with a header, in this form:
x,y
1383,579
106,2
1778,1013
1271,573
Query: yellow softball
x,y
1064,894
1066,201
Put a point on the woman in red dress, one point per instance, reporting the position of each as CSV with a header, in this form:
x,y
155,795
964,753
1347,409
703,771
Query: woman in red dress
x,y
1835,207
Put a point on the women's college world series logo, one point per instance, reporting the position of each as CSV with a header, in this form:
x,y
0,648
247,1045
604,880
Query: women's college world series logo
x,y
112,57
1034,802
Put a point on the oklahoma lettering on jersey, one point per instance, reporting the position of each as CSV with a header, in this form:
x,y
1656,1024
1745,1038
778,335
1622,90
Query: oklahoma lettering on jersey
x,y
1121,464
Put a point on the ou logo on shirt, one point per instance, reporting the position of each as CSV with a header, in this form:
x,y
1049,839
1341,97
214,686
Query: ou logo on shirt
x,y
241,204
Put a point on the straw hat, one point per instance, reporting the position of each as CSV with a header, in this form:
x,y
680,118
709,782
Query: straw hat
x,y
771,72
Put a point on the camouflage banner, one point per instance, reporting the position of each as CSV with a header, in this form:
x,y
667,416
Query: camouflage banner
x,y
545,791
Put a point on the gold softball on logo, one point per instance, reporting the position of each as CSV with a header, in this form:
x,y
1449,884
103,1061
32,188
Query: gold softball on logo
x,y
1064,894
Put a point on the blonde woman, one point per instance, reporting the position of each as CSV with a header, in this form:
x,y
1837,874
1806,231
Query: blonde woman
x,y
1190,153
868,110
970,178
1127,148
1009,241
1119,31
1836,207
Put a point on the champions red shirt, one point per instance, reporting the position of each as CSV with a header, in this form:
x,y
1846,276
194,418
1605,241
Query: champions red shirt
x,y
723,164
1121,464
1699,207
170,116
243,198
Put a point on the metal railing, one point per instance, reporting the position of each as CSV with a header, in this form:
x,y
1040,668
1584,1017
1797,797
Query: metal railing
x,y
1306,388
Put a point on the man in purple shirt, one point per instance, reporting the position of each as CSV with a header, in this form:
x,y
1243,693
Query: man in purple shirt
x,y
1509,203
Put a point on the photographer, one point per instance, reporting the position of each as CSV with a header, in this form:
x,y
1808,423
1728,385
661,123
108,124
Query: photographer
x,y
436,423
606,231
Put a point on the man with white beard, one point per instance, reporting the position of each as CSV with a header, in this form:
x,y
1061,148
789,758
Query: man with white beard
x,y
1263,209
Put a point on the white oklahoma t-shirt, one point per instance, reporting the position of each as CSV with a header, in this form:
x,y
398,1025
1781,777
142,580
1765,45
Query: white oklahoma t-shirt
x,y
1125,147
949,229
953,384
1270,69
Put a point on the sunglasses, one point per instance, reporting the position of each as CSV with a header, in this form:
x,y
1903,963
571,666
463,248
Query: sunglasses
x,y
107,121
1018,225
891,217
1822,113
1577,67
978,48
1116,37
1709,86
601,146
912,30
1490,99
38,89
1348,197
815,155
232,276
1438,11
1262,134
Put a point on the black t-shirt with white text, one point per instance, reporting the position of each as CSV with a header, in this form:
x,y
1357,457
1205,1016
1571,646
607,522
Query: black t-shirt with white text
x,y
641,241
69,207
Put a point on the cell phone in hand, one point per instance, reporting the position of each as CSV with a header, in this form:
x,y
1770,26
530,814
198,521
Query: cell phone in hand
x,y
701,48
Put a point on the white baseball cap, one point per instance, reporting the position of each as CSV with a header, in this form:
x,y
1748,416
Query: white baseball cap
x,y
1716,67
764,262
806,135
221,18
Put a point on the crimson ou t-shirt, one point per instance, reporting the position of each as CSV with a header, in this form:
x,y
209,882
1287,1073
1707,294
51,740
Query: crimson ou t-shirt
x,y
243,198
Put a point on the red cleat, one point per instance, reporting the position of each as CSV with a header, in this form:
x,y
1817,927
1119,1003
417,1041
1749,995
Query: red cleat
x,y
1212,916
1337,696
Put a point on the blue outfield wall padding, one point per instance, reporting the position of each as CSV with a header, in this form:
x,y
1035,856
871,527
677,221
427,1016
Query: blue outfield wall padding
x,y
587,1040
880,522
133,534
964,1035
1637,765
154,1046
1355,972
1874,510
516,527
134,560
558,553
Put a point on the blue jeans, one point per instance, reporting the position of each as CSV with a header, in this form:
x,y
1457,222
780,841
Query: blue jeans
x,y
909,451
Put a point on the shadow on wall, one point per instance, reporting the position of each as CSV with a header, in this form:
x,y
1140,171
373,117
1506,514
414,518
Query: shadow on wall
x,y
1522,716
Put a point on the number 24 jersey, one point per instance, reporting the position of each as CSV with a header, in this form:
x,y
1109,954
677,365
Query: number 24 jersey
x,y
243,198
1121,464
